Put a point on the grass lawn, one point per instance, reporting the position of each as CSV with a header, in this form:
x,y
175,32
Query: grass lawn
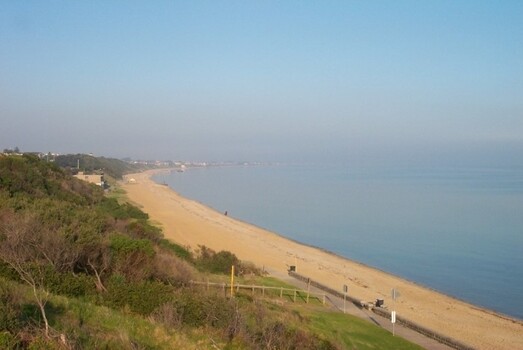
x,y
353,332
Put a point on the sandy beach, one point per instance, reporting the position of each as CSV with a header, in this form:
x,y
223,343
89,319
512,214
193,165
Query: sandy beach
x,y
190,223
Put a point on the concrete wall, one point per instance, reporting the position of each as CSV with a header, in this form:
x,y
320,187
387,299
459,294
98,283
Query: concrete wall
x,y
94,178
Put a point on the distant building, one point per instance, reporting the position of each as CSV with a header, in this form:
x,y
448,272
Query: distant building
x,y
96,179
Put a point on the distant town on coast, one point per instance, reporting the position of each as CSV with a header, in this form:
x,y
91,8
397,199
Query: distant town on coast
x,y
92,162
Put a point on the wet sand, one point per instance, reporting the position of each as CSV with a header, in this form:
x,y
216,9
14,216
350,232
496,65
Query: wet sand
x,y
190,223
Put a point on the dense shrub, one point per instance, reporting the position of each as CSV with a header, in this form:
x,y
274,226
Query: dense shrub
x,y
141,229
8,272
123,245
70,285
112,167
140,297
172,270
28,175
9,340
209,309
177,249
132,258
168,315
199,309
44,343
249,268
75,242
276,334
9,310
111,207
221,262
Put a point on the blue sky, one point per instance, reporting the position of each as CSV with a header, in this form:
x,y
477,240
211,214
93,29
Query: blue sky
x,y
357,81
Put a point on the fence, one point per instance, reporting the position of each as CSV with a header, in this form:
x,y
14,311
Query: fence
x,y
296,294
453,343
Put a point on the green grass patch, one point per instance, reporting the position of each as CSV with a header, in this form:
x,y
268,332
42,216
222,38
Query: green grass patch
x,y
353,332
280,289
116,192
267,281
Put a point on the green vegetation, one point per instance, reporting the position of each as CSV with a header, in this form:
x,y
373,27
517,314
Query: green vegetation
x,y
79,270
353,332
113,167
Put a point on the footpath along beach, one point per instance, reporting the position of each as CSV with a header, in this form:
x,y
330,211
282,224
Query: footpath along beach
x,y
190,223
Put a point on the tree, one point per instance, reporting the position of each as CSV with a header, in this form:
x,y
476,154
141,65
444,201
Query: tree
x,y
221,262
20,249
16,150
96,258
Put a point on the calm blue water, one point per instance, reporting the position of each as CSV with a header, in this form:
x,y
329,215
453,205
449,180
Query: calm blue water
x,y
459,231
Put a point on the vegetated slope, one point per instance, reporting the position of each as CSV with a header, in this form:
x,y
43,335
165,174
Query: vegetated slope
x,y
67,253
112,167
78,270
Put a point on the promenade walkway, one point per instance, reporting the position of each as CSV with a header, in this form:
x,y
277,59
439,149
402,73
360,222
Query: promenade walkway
x,y
337,303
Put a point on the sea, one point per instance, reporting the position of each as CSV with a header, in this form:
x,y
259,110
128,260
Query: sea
x,y
455,230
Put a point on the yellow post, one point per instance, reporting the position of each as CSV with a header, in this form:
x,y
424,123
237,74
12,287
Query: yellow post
x,y
308,288
232,280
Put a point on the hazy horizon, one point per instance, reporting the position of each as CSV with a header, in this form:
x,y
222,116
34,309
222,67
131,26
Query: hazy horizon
x,y
404,82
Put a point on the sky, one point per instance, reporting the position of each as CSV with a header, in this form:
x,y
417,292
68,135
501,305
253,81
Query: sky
x,y
405,82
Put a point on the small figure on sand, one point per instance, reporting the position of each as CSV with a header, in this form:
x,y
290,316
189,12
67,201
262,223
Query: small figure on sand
x,y
225,213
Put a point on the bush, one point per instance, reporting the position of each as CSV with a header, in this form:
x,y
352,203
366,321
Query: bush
x,y
142,230
10,310
43,343
221,262
277,335
143,297
28,175
172,270
111,207
132,258
197,310
177,249
8,340
70,285
248,268
123,245
8,272
168,315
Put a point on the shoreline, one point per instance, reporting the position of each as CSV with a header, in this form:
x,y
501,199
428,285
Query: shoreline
x,y
336,255
191,223
364,265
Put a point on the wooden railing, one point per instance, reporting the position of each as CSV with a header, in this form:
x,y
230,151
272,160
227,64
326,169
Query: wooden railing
x,y
295,294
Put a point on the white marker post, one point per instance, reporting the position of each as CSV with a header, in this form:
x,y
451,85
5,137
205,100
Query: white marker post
x,y
393,320
395,295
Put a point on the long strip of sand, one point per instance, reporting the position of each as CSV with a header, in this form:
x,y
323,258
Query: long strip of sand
x,y
190,223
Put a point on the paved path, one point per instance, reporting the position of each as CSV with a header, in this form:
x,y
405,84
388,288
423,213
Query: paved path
x,y
350,308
